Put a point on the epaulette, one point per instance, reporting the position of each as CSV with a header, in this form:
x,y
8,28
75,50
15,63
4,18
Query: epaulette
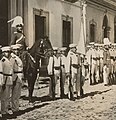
x,y
13,56
3,60
15,32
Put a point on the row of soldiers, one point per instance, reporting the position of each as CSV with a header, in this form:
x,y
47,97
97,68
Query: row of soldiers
x,y
11,75
66,71
101,59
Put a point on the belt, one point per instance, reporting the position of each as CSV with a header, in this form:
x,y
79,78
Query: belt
x,y
1,72
7,74
75,65
18,72
63,66
57,67
101,57
98,58
111,57
94,58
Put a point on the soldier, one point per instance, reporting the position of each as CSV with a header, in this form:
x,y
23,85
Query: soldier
x,y
86,65
112,57
73,68
106,62
18,36
97,71
64,82
7,81
17,77
88,62
54,69
93,63
101,62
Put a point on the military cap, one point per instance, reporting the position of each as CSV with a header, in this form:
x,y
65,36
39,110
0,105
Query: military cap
x,y
63,49
96,44
55,48
72,45
6,48
17,21
91,43
101,45
88,46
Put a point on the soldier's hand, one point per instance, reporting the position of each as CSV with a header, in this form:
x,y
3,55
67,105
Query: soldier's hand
x,y
50,73
14,83
3,87
67,74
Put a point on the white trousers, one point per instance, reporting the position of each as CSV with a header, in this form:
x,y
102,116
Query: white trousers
x,y
106,73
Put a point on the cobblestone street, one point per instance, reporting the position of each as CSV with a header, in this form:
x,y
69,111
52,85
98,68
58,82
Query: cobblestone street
x,y
98,104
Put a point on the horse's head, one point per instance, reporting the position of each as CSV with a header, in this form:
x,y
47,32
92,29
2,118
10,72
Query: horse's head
x,y
47,47
41,48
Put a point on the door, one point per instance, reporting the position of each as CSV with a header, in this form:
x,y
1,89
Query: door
x,y
40,30
66,33
3,22
92,33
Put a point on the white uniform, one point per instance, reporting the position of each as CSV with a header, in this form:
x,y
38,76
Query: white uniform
x,y
88,56
17,79
97,66
65,81
101,64
73,61
7,81
94,65
56,61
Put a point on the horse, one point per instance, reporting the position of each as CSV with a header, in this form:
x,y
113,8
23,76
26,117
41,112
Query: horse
x,y
40,51
30,72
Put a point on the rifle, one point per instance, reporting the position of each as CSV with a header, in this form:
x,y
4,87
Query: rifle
x,y
53,81
70,79
61,80
90,70
81,79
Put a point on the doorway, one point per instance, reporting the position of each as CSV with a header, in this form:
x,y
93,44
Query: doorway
x,y
3,22
40,31
66,33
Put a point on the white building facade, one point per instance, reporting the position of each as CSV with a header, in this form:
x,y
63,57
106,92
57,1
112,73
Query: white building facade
x,y
60,20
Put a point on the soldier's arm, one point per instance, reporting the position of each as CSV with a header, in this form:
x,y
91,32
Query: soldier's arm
x,y
50,66
67,64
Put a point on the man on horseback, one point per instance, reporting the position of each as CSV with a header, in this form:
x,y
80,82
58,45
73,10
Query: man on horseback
x,y
18,36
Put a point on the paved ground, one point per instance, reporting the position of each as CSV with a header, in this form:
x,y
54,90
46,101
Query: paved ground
x,y
99,103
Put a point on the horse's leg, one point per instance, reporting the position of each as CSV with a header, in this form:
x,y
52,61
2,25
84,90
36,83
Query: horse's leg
x,y
29,88
31,83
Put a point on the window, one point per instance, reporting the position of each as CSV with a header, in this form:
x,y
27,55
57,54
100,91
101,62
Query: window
x,y
66,30
92,30
105,27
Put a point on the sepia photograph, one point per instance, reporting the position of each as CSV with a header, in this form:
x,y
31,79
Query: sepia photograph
x,y
57,59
